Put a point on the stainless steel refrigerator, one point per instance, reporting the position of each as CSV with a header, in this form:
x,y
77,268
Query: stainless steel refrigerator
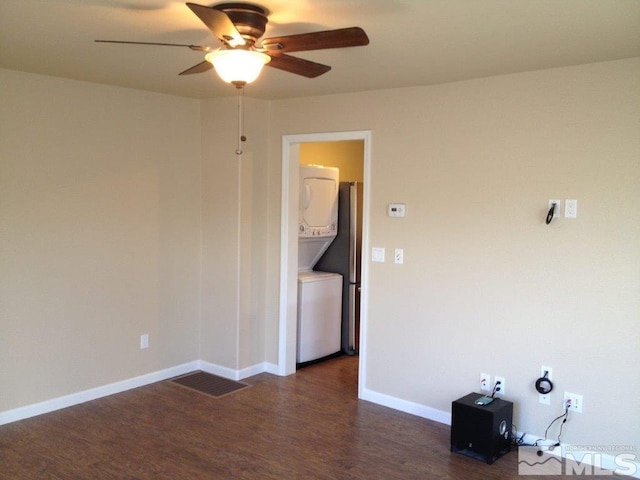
x,y
344,257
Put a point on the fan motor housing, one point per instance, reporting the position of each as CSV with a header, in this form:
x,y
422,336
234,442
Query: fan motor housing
x,y
250,19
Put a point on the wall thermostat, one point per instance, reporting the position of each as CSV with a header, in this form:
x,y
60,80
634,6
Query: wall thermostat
x,y
397,210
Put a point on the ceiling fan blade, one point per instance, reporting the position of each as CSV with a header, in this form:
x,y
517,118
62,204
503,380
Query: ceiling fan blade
x,y
219,23
199,48
343,37
199,68
297,65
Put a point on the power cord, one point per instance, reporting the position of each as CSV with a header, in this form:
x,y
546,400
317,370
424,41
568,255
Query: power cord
x,y
496,388
515,441
519,442
564,418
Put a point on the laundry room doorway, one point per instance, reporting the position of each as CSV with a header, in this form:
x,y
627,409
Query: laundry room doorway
x,y
333,150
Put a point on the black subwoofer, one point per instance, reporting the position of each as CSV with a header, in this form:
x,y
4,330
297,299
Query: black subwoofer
x,y
482,432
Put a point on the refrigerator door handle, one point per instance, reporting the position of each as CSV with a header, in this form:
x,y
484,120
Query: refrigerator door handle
x,y
352,319
353,231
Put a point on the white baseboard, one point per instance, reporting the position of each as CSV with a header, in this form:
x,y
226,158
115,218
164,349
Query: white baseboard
x,y
271,368
413,408
232,374
65,401
219,370
600,460
263,367
589,461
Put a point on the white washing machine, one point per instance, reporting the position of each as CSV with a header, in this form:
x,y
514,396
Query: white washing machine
x,y
319,315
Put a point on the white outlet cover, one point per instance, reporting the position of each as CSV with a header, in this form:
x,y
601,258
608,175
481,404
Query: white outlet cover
x,y
503,385
486,385
556,212
576,404
377,254
570,208
545,398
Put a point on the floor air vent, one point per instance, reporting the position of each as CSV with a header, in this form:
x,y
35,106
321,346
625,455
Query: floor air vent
x,y
208,383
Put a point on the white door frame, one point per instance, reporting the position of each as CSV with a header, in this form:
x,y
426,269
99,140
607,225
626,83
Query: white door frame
x,y
287,336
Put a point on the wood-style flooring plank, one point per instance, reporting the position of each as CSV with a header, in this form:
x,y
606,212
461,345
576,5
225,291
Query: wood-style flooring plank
x,y
306,426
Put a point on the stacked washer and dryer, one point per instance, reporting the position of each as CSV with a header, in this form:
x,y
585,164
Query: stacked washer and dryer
x,y
319,293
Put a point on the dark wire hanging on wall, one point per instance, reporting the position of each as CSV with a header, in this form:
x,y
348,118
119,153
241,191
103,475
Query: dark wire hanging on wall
x,y
552,211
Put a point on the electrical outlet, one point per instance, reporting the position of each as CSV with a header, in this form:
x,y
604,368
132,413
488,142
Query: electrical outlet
x,y
485,382
570,208
144,341
503,385
573,401
556,212
545,398
399,255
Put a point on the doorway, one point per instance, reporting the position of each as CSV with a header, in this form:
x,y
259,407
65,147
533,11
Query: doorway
x,y
291,146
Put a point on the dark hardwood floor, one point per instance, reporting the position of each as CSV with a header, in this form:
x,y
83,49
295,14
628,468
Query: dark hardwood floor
x,y
306,426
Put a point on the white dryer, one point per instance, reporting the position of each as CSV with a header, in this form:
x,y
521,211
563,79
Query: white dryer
x,y
317,213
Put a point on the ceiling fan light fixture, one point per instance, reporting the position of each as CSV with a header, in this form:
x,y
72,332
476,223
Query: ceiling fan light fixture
x,y
238,66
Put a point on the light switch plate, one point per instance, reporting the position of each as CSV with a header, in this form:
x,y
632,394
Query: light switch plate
x,y
570,208
377,254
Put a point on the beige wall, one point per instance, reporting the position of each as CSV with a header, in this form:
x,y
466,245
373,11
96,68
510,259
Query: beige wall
x,y
100,235
346,155
234,239
109,196
486,285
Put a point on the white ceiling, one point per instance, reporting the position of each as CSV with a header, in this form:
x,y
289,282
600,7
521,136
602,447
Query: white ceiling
x,y
413,42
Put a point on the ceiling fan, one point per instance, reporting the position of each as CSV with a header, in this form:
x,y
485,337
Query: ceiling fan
x,y
240,58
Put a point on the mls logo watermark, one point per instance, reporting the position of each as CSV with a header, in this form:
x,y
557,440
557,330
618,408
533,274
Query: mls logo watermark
x,y
578,460
535,461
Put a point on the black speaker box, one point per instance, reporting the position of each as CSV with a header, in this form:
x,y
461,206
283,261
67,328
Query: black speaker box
x,y
481,431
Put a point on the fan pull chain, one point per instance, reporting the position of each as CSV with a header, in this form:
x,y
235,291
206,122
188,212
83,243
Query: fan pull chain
x,y
241,137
